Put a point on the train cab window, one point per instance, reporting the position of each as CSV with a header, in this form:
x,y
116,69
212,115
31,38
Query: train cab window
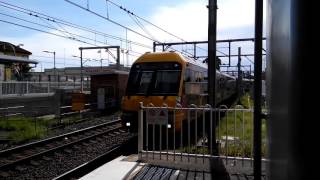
x,y
167,82
154,79
145,81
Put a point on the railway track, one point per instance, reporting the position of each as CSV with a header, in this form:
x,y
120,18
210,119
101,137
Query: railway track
x,y
20,160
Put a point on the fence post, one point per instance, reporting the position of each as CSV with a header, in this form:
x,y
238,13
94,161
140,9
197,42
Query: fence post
x,y
57,103
1,84
27,88
35,124
48,87
140,130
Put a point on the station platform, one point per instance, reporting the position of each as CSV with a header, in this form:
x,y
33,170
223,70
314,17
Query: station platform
x,y
128,168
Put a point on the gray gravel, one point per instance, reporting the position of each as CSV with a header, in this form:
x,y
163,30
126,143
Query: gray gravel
x,y
54,165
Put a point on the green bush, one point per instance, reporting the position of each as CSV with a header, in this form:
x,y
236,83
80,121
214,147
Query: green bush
x,y
22,129
240,126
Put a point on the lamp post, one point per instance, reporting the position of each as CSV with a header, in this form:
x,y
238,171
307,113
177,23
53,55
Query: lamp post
x,y
54,63
81,68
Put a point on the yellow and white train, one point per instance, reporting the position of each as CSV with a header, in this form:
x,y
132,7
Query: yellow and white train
x,y
170,78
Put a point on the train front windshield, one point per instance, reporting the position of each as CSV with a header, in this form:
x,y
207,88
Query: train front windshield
x,y
154,79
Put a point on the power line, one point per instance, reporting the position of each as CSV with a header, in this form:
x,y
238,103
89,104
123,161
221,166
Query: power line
x,y
131,13
47,62
60,21
66,37
249,59
49,25
56,20
27,27
110,20
141,26
143,19
61,58
116,23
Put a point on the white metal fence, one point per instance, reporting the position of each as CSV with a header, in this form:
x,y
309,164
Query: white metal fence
x,y
26,87
162,140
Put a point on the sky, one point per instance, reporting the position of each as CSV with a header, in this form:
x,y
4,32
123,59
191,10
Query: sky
x,y
186,19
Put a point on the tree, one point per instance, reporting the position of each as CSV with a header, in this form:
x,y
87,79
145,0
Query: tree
x,y
218,62
21,71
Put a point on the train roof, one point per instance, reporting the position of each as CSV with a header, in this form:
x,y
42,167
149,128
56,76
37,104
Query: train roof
x,y
169,56
196,62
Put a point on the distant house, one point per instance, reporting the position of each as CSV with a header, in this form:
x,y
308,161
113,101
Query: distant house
x,y
14,62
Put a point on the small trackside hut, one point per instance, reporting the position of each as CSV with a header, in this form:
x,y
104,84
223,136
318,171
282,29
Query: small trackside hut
x,y
108,89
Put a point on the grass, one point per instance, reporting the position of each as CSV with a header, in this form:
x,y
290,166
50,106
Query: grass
x,y
238,126
22,129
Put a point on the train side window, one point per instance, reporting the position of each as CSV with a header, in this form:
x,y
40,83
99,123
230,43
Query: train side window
x,y
187,75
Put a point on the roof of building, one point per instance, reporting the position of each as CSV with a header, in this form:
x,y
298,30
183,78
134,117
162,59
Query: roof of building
x,y
6,58
8,47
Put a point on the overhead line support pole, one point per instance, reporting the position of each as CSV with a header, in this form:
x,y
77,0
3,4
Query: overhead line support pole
x,y
257,88
98,47
229,53
81,68
212,38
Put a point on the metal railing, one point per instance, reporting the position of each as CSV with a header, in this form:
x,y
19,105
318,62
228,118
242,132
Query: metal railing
x,y
164,141
28,87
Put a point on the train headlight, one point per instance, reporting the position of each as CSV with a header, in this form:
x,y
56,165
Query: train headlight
x,y
169,126
128,124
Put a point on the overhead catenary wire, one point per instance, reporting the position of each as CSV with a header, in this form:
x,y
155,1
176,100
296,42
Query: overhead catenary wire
x,y
51,33
63,31
49,26
57,58
110,20
66,23
142,26
68,37
72,37
63,22
143,19
147,21
116,23
249,59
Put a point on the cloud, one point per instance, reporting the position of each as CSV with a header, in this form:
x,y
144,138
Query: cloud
x,y
189,20
235,13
